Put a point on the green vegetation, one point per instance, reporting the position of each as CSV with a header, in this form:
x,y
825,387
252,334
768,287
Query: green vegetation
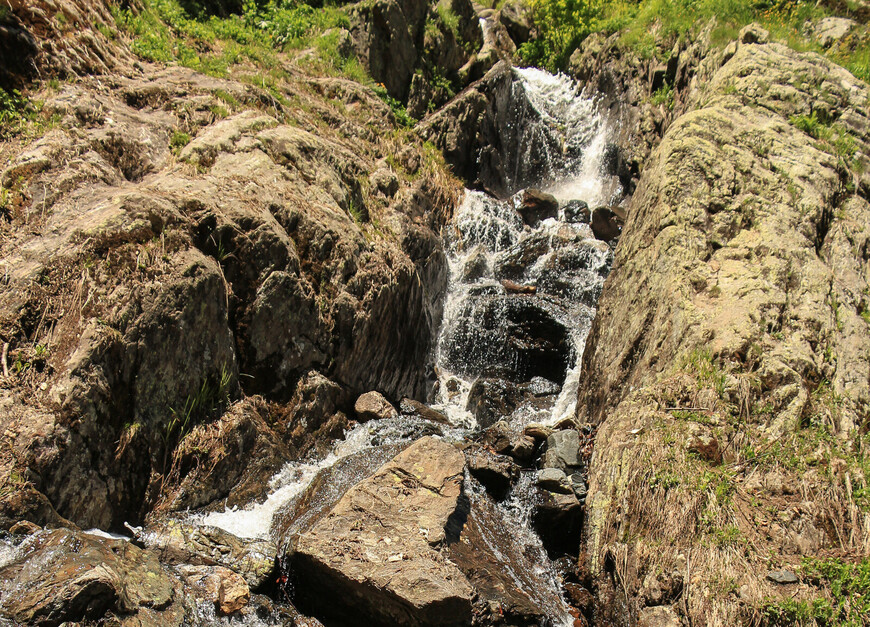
x,y
15,112
179,140
209,399
163,31
651,27
848,604
398,109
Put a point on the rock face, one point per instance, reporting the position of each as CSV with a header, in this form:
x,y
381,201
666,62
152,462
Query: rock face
x,y
738,282
376,550
187,271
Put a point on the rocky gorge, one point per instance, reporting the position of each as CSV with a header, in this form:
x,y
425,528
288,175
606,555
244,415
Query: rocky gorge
x,y
385,328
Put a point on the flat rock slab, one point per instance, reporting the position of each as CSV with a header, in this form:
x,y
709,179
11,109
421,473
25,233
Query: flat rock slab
x,y
375,555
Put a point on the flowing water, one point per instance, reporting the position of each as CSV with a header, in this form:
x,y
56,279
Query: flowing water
x,y
559,146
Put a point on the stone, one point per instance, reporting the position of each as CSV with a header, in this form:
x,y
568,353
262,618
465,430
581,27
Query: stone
x,y
495,472
658,616
523,448
374,555
783,577
476,266
24,528
515,18
753,34
578,485
563,450
554,480
226,589
511,287
177,542
373,406
605,224
705,446
536,206
385,181
410,407
831,30
63,575
384,34
537,431
558,518
576,211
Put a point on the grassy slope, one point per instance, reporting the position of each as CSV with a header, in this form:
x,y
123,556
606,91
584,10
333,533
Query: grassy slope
x,y
652,26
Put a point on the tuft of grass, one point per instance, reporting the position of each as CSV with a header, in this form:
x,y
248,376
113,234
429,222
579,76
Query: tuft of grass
x,y
398,109
179,140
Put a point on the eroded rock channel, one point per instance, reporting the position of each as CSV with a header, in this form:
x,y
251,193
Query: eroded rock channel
x,y
463,510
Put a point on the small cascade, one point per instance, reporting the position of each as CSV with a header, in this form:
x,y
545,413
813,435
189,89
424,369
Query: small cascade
x,y
489,331
521,298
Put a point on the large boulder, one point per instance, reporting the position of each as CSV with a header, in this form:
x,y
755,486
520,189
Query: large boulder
x,y
63,575
375,554
536,206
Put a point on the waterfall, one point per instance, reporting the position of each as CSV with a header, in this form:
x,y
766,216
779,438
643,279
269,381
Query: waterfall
x,y
561,143
530,342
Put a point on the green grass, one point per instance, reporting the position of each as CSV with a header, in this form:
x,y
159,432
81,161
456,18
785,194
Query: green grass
x,y
650,27
849,602
164,32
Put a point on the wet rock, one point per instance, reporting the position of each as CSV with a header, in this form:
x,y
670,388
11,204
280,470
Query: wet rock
x,y
374,555
495,472
554,480
783,577
476,266
563,450
512,287
24,528
523,448
63,575
579,596
231,459
373,406
410,407
537,431
491,400
498,437
577,211
558,518
226,589
501,568
325,490
605,224
510,337
177,542
536,206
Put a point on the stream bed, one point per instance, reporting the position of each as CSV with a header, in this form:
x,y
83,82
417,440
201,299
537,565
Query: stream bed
x,y
525,273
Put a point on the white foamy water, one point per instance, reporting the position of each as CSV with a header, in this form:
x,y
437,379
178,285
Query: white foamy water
x,y
255,521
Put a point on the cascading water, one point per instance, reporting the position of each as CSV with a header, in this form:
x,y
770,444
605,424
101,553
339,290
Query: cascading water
x,y
529,338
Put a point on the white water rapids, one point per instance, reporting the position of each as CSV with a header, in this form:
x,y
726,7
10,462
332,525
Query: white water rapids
x,y
567,139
